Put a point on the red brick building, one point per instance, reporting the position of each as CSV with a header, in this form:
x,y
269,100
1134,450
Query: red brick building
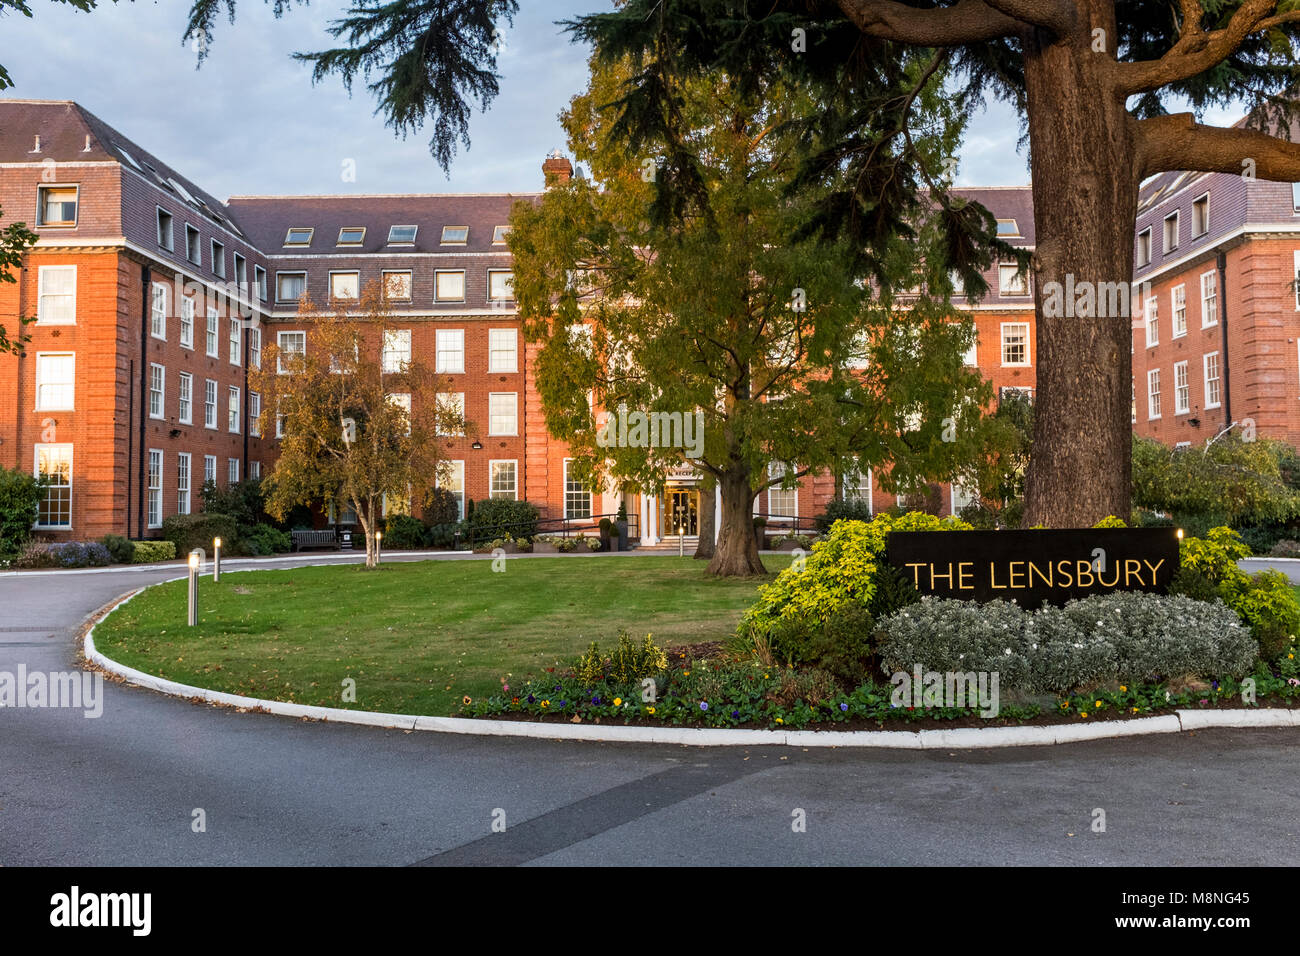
x,y
153,299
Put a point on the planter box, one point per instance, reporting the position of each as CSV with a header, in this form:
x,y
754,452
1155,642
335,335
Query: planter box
x,y
540,547
791,545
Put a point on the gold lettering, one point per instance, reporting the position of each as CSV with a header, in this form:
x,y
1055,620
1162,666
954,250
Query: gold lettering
x,y
1132,566
1047,578
948,576
993,578
1084,566
964,576
1063,569
1011,568
1154,567
1102,581
916,572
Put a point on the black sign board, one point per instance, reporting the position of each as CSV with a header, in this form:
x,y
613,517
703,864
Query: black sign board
x,y
1035,567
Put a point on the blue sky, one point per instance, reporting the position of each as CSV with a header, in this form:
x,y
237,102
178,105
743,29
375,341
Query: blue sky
x,y
250,121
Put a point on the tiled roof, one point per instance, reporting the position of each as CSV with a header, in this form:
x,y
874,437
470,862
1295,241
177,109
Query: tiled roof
x,y
267,220
1006,202
70,133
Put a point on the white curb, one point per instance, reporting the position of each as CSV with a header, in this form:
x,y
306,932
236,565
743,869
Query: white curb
x,y
958,738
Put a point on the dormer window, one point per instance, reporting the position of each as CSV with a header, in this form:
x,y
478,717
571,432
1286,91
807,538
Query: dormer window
x,y
499,234
1008,227
455,235
57,206
401,235
1171,232
298,236
1144,247
1201,215
352,235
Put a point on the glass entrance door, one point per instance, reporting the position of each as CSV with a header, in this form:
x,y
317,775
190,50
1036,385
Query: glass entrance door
x,y
682,512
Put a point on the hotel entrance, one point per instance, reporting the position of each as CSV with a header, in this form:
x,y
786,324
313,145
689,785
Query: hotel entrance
x,y
681,511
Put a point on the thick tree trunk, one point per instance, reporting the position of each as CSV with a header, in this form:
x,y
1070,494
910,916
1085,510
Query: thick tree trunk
x,y
737,549
1085,201
704,548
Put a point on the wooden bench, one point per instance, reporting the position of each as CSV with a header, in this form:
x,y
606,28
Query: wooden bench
x,y
326,538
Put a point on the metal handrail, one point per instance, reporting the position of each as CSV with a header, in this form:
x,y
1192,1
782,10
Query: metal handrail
x,y
565,527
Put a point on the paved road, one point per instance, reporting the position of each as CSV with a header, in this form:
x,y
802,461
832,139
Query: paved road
x,y
122,789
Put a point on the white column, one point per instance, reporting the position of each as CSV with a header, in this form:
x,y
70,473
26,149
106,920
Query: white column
x,y
646,537
717,511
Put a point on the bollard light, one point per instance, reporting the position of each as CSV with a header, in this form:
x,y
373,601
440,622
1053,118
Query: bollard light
x,y
1180,534
379,546
196,558
216,560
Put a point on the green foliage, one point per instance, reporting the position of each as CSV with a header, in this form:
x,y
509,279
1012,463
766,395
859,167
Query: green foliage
x,y
244,501
894,591
996,472
840,644
120,549
497,517
590,667
197,531
264,539
1110,521
1267,602
1194,584
1216,556
15,240
1261,538
1286,548
149,552
64,554
838,509
19,495
441,507
630,663
1231,481
402,532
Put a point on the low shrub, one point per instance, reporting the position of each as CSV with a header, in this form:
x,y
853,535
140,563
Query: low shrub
x,y
497,517
19,494
402,532
147,552
197,531
841,644
840,510
65,554
1267,603
265,539
1262,538
630,662
441,507
1285,548
120,549
1118,637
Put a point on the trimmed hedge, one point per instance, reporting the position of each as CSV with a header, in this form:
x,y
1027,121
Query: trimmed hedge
x,y
197,531
147,552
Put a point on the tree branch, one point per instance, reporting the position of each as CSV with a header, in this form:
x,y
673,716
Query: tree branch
x,y
1196,50
1178,142
966,21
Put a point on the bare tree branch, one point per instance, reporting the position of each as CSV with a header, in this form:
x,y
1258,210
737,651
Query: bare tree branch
x,y
966,21
1178,142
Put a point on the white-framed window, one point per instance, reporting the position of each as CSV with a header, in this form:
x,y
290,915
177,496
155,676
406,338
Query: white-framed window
x,y
165,233
577,494
403,401
193,248
1153,394
236,341
187,322
289,286
158,311
503,479
218,251
232,414
971,357
183,483
345,285
452,478
54,464
1015,343
55,381
397,350
857,486
185,406
397,284
503,350
1213,383
455,235
157,382
451,408
1182,390
1179,298
1170,233
241,274
254,413
291,344
279,421
1144,247
1152,316
501,285
210,469
210,333
155,487
255,346
961,498
56,205
259,278
1201,215
56,297
254,469
1209,299
1012,279
503,413
232,470
782,503
449,285
450,354
209,404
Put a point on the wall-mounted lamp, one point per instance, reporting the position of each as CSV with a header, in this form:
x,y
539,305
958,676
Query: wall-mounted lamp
x,y
477,446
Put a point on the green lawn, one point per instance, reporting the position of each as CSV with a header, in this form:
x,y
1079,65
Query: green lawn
x,y
415,637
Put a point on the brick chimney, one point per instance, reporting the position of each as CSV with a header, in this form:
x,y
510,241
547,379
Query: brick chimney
x,y
557,169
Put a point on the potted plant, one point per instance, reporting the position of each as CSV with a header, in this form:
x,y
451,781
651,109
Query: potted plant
x,y
621,523
760,531
545,544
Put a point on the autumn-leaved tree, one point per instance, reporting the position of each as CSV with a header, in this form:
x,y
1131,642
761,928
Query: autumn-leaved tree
x,y
359,416
15,240
731,311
